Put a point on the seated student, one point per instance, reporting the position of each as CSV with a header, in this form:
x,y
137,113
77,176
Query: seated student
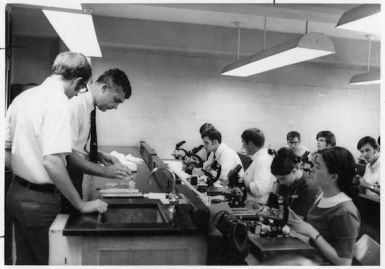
x,y
225,156
203,154
370,151
325,139
258,178
333,222
294,142
293,185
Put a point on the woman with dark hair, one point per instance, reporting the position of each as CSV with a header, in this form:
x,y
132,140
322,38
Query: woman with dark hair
x,y
293,185
333,222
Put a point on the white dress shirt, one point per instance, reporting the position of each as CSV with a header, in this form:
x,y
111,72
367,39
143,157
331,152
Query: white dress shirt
x,y
258,174
227,158
372,172
81,107
37,124
301,150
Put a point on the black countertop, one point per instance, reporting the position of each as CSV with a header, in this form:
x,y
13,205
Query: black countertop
x,y
145,216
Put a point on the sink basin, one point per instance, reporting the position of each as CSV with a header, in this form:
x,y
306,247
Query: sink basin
x,y
140,211
133,216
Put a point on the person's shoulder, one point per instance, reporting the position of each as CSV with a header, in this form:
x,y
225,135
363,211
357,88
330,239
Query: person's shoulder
x,y
77,102
346,208
58,98
227,149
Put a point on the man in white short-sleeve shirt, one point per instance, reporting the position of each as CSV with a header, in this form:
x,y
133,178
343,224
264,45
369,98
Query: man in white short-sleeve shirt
x,y
37,140
258,178
110,90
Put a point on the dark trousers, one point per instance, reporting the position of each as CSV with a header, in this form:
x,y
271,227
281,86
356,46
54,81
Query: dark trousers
x,y
77,180
32,213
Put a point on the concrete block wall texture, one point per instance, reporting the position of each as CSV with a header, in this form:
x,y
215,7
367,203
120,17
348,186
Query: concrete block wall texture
x,y
174,94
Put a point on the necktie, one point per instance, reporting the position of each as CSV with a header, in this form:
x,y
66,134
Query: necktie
x,y
94,141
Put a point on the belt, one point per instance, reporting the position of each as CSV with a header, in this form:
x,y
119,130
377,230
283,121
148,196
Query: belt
x,y
47,188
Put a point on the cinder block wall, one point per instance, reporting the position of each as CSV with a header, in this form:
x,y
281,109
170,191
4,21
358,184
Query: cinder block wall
x,y
174,94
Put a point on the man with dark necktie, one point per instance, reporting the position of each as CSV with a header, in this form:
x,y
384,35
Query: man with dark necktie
x,y
108,92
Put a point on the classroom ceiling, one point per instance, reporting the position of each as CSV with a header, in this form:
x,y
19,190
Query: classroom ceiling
x,y
284,18
215,23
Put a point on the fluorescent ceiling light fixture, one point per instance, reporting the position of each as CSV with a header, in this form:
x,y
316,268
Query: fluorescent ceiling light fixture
x,y
68,4
299,49
76,30
368,78
363,18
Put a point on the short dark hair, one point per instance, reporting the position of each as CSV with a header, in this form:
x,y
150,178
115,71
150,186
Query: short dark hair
x,y
329,137
368,140
72,65
283,162
340,161
292,135
255,136
118,78
205,127
213,134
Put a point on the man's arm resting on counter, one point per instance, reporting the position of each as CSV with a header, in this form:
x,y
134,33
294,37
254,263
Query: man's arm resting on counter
x,y
8,158
55,166
113,171
374,188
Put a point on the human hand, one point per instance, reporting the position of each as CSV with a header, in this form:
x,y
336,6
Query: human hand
x,y
93,206
206,165
247,183
118,171
107,159
295,222
364,183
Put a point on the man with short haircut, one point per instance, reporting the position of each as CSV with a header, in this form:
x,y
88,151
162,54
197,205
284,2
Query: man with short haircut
x,y
325,139
203,154
294,143
370,151
225,156
258,178
110,90
37,140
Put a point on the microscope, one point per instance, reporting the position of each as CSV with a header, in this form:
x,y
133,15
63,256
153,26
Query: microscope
x,y
212,173
305,162
236,194
189,158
